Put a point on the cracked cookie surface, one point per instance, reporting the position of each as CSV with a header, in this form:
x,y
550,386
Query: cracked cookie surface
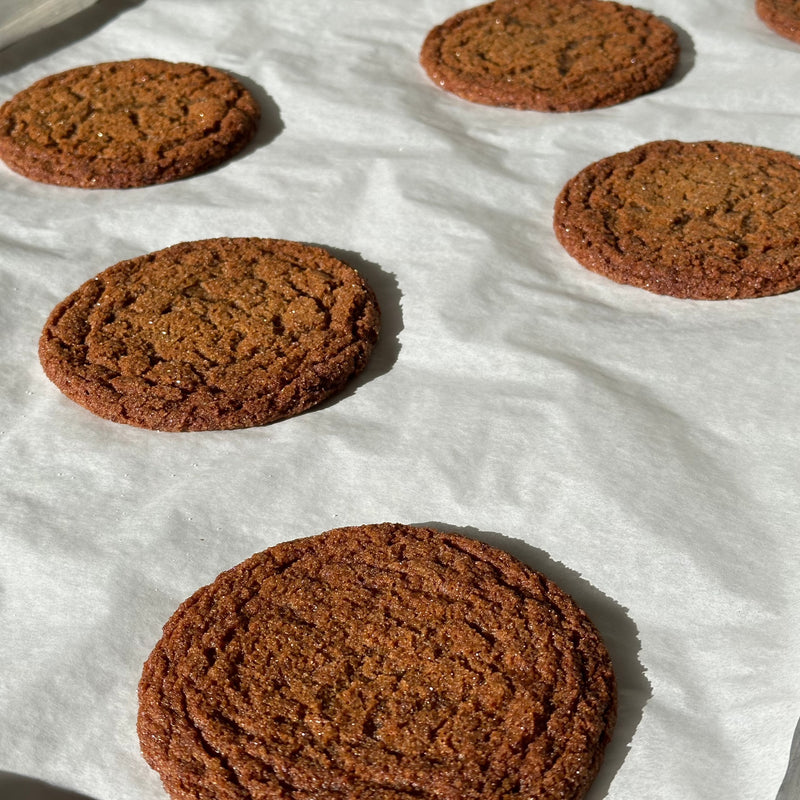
x,y
550,55
123,124
212,335
379,662
703,220
783,16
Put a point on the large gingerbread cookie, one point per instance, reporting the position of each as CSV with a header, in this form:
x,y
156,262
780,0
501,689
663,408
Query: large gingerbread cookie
x,y
380,662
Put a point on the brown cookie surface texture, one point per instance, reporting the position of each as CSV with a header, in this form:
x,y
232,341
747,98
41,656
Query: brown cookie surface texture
x,y
703,220
550,55
383,662
212,335
126,123
783,16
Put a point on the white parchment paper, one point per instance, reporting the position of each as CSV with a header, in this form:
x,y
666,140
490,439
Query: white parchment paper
x,y
641,450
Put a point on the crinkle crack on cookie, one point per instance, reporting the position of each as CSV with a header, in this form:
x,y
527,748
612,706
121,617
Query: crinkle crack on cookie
x,y
702,220
551,55
380,662
212,335
783,16
124,124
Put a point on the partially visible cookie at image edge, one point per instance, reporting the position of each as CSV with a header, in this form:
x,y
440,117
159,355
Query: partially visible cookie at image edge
x,y
378,662
212,335
125,124
703,220
550,55
783,16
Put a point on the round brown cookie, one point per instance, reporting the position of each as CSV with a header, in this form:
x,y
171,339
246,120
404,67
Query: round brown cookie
x,y
702,220
212,335
380,662
550,55
783,16
126,123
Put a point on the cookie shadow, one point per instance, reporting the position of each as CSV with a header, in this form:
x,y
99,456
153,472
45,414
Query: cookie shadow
x,y
49,40
19,787
388,292
688,54
619,633
270,125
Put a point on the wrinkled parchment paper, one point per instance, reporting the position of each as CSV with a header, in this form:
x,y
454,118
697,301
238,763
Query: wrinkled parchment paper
x,y
643,451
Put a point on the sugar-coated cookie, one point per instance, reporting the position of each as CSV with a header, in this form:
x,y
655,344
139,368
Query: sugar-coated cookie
x,y
551,55
126,123
783,16
212,334
378,662
703,220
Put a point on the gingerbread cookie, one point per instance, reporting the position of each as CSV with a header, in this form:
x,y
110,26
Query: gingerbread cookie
x,y
380,662
126,123
703,220
212,335
783,16
550,55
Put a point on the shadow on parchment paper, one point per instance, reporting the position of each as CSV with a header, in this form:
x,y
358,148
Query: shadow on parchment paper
x,y
619,633
389,296
687,56
18,787
50,40
270,126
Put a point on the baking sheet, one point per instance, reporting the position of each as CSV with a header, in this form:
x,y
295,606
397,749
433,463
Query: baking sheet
x,y
641,450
